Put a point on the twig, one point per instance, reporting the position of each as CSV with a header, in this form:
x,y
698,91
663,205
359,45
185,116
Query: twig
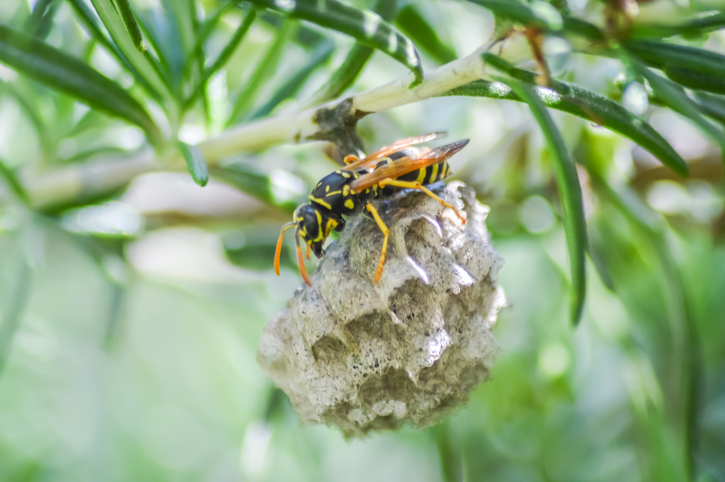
x,y
65,185
304,126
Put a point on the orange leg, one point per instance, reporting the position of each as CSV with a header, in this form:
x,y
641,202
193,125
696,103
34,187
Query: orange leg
x,y
420,187
350,159
307,254
386,233
301,262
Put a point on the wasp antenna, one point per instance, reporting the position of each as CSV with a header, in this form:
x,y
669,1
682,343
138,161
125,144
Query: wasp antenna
x,y
301,260
278,251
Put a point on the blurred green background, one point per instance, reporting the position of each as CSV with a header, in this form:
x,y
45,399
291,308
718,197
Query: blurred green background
x,y
131,311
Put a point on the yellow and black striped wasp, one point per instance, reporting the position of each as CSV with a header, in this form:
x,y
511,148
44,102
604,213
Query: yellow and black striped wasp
x,y
349,190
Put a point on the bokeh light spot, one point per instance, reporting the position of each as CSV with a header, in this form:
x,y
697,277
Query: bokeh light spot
x,y
536,215
554,359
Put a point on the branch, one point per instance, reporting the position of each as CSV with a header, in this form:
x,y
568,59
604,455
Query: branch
x,y
333,121
305,125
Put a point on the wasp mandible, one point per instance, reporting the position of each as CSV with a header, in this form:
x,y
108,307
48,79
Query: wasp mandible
x,y
347,191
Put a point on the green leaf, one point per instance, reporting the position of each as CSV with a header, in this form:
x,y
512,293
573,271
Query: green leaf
x,y
282,190
118,295
196,23
540,14
696,80
144,67
254,247
124,9
26,101
569,190
73,77
663,55
449,452
12,314
691,28
307,37
346,75
92,26
87,154
164,43
206,29
596,254
195,163
224,55
712,106
651,237
40,22
14,184
587,105
318,58
195,61
584,29
676,99
417,28
170,30
263,71
502,65
365,26
354,62
514,11
182,18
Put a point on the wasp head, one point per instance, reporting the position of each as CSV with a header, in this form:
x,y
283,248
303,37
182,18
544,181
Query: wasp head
x,y
310,220
313,223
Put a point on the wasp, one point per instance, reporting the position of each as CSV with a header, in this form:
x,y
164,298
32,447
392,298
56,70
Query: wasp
x,y
350,190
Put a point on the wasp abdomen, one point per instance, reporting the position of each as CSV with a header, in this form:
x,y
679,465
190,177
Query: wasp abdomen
x,y
429,174
424,175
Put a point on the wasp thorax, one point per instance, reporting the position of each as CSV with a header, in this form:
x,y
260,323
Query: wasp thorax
x,y
360,355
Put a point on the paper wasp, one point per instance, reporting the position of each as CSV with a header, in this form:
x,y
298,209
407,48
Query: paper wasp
x,y
349,190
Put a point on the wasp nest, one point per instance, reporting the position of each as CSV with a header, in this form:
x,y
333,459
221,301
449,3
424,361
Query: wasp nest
x,y
361,356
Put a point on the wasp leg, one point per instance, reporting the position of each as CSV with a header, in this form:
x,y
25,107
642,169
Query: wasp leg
x,y
420,187
301,262
307,254
350,159
386,233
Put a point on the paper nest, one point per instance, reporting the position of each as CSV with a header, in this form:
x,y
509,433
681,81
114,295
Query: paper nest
x,y
361,356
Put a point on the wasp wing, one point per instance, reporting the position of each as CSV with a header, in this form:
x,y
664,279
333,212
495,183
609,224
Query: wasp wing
x,y
370,161
404,165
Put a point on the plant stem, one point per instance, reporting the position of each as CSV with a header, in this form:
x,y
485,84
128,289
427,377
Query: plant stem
x,y
66,184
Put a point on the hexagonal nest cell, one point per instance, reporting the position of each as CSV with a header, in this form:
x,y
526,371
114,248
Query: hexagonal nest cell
x,y
361,356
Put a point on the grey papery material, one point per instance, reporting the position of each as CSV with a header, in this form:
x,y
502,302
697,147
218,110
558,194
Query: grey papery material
x,y
361,356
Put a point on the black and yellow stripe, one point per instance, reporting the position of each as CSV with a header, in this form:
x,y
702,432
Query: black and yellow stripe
x,y
429,174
